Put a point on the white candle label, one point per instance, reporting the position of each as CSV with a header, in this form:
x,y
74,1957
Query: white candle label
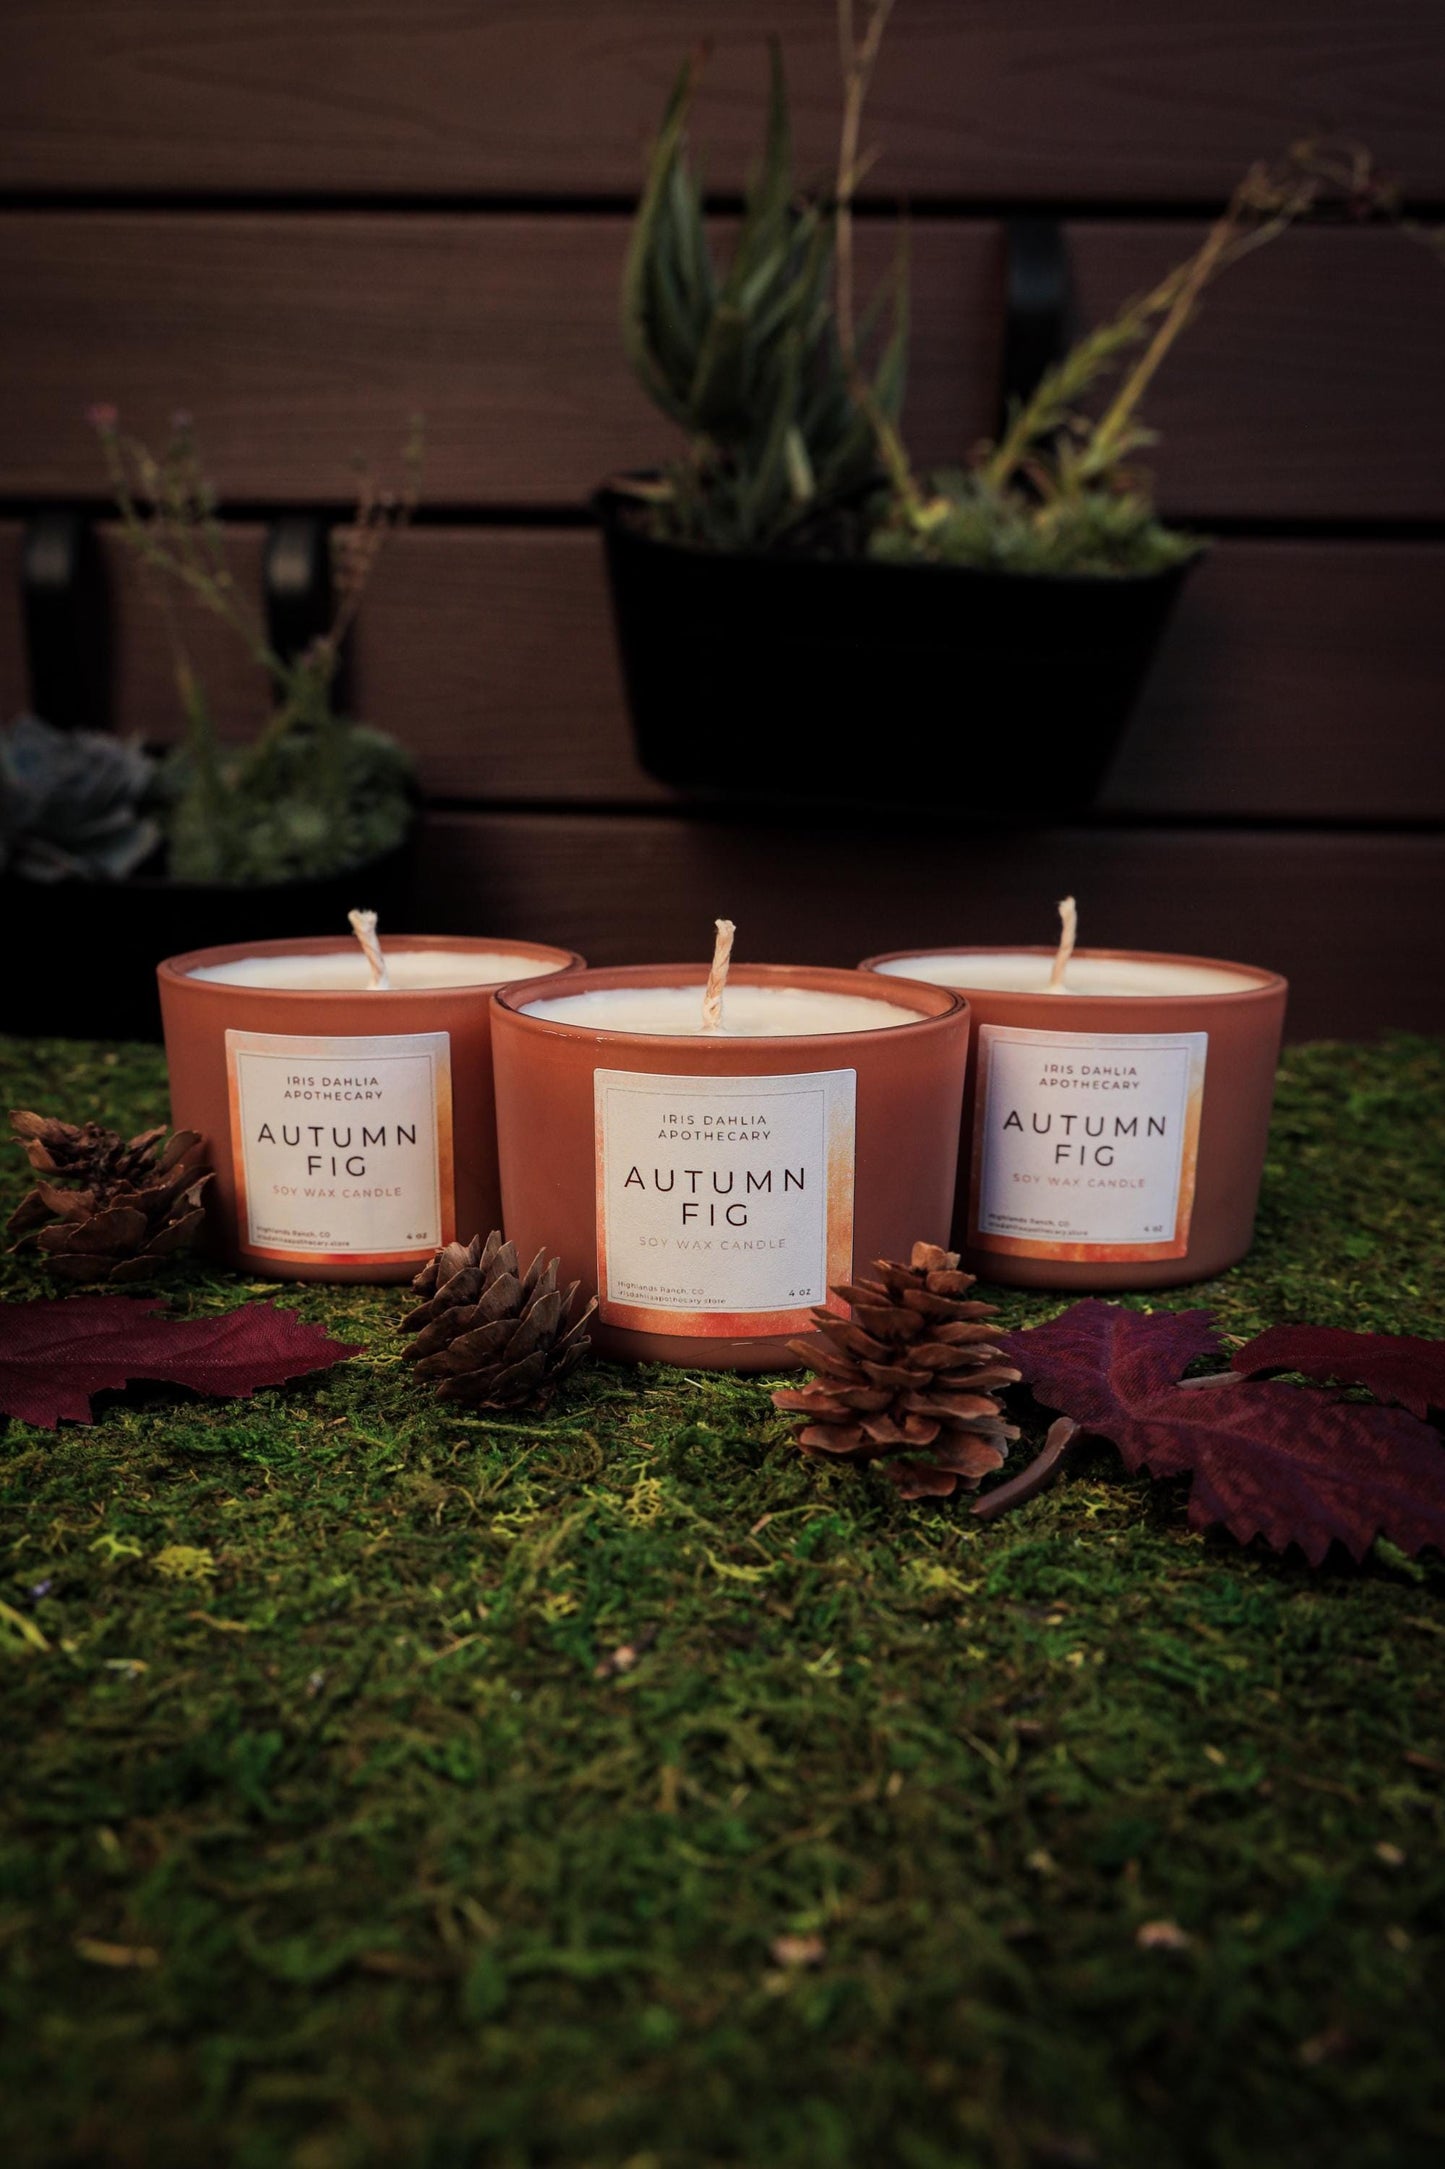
x,y
1085,1145
342,1146
724,1204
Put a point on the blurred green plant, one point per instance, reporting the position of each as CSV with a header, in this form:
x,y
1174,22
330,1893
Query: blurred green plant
x,y
1059,492
74,805
314,792
749,359
761,366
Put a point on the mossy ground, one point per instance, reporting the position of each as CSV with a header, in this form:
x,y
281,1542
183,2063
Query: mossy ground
x,y
325,1844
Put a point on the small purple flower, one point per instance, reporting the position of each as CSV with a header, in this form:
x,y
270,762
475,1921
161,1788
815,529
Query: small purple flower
x,y
42,1589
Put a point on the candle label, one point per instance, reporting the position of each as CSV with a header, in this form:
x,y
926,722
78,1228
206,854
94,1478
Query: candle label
x,y
342,1146
724,1204
1085,1145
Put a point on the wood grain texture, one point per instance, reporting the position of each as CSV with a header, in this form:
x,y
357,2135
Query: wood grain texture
x,y
1308,388
298,341
1301,390
1353,922
1299,681
1137,99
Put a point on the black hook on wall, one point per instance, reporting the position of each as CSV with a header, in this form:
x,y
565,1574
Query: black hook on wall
x,y
1038,305
296,583
65,606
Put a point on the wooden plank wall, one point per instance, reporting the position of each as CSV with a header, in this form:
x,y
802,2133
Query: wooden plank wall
x,y
305,221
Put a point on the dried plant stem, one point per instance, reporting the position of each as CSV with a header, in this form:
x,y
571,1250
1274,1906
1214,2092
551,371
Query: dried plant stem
x,y
178,537
379,515
1117,417
857,57
163,538
1266,203
1045,1469
1047,406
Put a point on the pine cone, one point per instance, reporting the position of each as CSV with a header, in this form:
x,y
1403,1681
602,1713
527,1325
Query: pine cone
x,y
137,1201
913,1368
491,1334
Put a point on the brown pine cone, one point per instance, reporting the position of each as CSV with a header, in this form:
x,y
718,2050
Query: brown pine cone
x,y
908,1380
136,1203
489,1333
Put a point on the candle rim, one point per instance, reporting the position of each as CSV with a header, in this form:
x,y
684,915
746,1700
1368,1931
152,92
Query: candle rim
x,y
184,966
607,978
1265,981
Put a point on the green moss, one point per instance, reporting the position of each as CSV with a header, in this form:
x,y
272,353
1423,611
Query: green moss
x,y
317,1740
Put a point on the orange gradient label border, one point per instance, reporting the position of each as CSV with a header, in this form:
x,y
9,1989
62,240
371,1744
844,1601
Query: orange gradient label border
x,y
1175,1245
840,1147
303,1047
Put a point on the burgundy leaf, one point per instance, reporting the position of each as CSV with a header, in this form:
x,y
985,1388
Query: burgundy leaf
x,y
54,1356
1288,1463
1394,1366
1078,1361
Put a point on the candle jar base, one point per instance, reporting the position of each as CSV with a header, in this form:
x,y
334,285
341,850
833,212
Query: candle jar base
x,y
1062,1276
1111,1139
613,1344
712,1189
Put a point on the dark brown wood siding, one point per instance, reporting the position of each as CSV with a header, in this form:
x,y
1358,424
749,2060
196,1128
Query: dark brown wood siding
x,y
305,222
1135,100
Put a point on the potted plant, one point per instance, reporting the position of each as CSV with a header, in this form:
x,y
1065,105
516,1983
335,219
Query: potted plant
x,y
116,856
791,577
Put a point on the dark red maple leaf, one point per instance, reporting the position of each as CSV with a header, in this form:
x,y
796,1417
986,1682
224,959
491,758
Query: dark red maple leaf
x,y
1394,1366
1288,1463
1094,1351
54,1356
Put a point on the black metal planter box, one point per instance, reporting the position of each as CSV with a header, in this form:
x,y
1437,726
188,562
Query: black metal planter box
x,y
84,953
795,677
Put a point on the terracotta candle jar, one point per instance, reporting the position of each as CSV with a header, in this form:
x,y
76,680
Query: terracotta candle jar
x,y
711,1186
1114,1130
352,1128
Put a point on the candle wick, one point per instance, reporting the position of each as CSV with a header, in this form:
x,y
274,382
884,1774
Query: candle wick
x,y
363,926
717,978
1068,935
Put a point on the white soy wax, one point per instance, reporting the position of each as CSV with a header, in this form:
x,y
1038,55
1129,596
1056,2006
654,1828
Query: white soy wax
x,y
346,971
748,1012
1019,971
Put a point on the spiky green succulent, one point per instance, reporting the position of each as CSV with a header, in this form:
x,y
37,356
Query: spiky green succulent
x,y
745,357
